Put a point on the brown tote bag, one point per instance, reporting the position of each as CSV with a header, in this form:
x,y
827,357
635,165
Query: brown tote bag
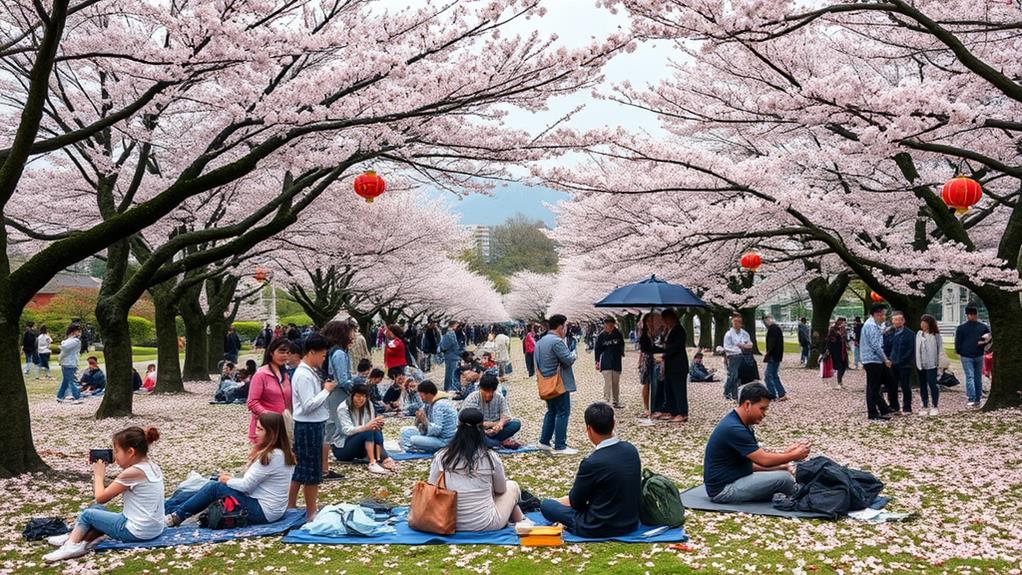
x,y
434,507
550,387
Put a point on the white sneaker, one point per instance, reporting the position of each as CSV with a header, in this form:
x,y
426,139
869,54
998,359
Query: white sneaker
x,y
544,447
58,540
91,545
77,401
67,551
934,411
565,451
378,469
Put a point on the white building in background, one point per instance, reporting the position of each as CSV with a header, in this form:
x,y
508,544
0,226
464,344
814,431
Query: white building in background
x,y
481,241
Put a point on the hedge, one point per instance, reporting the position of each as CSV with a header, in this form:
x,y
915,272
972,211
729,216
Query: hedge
x,y
142,331
248,330
298,319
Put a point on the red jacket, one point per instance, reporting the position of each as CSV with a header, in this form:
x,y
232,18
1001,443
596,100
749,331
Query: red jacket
x,y
530,343
394,354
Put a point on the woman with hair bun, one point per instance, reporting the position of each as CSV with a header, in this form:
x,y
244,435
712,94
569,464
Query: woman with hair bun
x,y
141,483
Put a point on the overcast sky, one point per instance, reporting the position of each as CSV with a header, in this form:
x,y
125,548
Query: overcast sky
x,y
576,22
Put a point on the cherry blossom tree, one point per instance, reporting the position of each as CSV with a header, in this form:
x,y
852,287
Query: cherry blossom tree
x,y
530,295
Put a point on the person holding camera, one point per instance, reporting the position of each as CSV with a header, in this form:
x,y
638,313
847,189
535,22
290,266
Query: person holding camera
x,y
263,489
309,395
361,433
141,483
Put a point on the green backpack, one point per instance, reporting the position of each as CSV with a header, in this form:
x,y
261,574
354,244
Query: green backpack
x,y
660,501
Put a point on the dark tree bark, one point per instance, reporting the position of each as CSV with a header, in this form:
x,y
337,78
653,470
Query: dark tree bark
x,y
705,329
721,323
112,316
220,293
825,295
688,322
749,324
17,450
196,341
168,359
329,293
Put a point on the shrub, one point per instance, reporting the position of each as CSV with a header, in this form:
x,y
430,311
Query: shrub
x,y
248,330
298,319
142,331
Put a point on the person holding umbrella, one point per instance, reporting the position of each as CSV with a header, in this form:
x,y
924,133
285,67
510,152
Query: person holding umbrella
x,y
675,367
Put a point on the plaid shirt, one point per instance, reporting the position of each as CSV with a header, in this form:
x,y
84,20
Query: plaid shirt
x,y
493,410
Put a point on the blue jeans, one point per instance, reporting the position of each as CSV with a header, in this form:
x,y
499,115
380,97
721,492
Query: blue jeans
x,y
555,421
355,446
68,383
510,429
31,360
855,354
413,440
756,487
928,387
734,367
557,512
973,367
450,375
773,380
198,501
97,518
805,352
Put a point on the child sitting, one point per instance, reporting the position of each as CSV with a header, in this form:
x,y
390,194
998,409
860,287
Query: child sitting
x,y
141,482
392,395
149,381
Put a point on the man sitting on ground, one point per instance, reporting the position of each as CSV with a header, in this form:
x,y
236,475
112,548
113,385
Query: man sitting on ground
x,y
435,422
604,501
698,372
498,426
735,468
93,381
468,373
392,395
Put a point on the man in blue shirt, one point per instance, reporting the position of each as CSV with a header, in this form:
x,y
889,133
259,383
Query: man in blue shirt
x,y
900,346
970,341
552,354
875,362
451,349
735,468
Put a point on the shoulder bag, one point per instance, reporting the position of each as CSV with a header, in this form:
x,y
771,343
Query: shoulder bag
x,y
434,507
550,387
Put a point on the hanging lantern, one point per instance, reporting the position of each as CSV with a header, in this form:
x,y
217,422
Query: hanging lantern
x,y
961,193
369,186
877,298
260,274
751,261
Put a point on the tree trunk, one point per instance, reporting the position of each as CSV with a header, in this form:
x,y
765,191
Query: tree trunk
x,y
220,292
17,450
721,323
168,362
113,321
215,343
749,324
688,321
1006,329
705,329
825,295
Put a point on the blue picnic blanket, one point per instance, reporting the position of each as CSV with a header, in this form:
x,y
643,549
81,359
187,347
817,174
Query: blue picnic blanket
x,y
192,534
405,535
411,455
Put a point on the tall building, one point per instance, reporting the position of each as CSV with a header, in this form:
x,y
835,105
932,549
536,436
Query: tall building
x,y
481,241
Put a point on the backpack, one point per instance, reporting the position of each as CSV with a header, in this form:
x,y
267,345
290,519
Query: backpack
x,y
947,379
224,513
660,502
39,528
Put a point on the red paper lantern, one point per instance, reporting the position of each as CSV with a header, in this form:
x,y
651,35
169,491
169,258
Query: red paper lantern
x,y
260,275
877,298
369,186
961,193
751,261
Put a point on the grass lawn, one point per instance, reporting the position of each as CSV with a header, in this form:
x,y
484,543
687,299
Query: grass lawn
x,y
960,473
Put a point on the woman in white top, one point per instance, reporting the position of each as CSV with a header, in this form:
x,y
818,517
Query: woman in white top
x,y
487,500
929,352
361,433
262,491
141,482
43,342
502,352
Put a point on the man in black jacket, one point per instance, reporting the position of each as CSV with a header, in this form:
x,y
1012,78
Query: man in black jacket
x,y
675,382
30,347
610,348
604,501
772,358
232,345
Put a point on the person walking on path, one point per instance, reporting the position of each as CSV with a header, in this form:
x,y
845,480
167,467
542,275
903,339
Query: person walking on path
x,y
675,367
430,345
609,349
773,356
29,347
875,362
68,360
529,348
804,340
43,342
837,350
929,356
451,348
902,353
232,345
552,354
969,345
736,343
855,337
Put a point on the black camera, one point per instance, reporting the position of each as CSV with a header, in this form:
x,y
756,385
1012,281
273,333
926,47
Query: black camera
x,y
106,455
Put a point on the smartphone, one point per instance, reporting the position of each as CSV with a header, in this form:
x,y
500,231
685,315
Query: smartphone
x,y
106,455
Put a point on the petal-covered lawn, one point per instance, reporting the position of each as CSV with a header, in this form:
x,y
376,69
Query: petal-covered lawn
x,y
960,472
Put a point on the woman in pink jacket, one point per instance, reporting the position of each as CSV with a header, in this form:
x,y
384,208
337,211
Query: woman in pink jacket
x,y
270,388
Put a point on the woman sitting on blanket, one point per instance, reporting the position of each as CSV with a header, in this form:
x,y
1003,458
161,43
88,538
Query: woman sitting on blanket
x,y
262,491
141,482
361,433
487,500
